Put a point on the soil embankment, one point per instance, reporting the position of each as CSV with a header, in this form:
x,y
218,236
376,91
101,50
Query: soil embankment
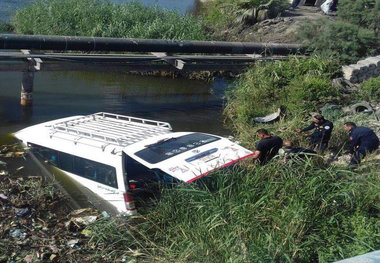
x,y
281,29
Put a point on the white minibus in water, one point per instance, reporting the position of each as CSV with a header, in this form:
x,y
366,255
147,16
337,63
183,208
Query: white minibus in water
x,y
114,155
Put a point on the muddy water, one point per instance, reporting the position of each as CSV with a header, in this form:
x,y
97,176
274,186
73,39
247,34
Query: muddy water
x,y
188,105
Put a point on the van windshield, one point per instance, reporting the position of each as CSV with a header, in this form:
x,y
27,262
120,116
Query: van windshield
x,y
165,149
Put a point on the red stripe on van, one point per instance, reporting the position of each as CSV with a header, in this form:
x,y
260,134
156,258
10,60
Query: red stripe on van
x,y
224,165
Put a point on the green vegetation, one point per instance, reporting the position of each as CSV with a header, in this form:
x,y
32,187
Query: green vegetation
x,y
301,213
298,85
6,28
352,36
104,19
221,15
369,90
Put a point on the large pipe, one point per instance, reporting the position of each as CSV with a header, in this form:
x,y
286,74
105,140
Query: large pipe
x,y
65,43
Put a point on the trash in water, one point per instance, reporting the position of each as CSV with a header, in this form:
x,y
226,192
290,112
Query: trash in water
x,y
20,168
52,257
29,258
73,243
3,197
21,212
105,214
4,149
3,163
3,172
17,233
86,232
85,220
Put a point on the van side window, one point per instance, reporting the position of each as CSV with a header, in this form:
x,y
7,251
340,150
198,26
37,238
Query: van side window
x,y
45,154
92,170
65,161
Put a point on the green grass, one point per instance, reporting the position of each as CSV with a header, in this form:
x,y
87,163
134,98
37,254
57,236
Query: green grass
x,y
278,213
104,19
297,85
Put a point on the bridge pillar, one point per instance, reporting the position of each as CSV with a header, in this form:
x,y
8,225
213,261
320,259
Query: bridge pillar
x,y
27,87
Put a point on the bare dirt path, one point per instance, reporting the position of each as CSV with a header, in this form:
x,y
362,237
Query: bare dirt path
x,y
278,30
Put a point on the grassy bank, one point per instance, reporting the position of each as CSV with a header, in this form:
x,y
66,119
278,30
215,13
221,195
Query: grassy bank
x,y
104,19
299,213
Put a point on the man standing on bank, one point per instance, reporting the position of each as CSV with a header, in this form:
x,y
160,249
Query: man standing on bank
x,y
320,138
363,140
267,147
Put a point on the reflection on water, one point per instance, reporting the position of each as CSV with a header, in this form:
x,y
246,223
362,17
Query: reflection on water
x,y
187,105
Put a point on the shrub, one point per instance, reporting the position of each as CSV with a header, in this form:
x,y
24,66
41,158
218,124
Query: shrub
x,y
308,93
340,39
268,86
352,36
363,13
6,28
104,19
369,90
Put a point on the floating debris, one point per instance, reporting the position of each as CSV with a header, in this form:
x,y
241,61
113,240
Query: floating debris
x,y
73,243
20,168
21,212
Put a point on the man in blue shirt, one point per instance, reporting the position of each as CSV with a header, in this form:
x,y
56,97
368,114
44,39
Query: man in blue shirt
x,y
320,138
363,140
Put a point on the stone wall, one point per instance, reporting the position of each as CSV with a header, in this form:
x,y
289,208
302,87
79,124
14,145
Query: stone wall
x,y
362,70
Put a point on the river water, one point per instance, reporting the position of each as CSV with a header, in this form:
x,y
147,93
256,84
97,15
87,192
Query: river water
x,y
8,7
188,105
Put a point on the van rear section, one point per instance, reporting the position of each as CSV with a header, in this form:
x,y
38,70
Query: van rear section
x,y
185,156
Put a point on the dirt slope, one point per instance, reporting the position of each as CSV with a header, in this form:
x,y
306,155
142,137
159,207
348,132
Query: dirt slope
x,y
279,30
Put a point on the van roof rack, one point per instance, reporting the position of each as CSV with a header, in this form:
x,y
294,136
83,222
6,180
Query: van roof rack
x,y
109,128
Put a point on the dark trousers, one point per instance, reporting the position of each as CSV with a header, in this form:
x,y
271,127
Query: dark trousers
x,y
317,145
295,3
360,153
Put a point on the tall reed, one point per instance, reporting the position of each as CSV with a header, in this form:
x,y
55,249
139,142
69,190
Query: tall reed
x,y
102,18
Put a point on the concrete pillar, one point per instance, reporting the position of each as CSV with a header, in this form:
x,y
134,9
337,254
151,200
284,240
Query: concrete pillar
x,y
27,88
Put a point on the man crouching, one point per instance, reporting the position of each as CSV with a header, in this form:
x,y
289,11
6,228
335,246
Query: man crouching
x,y
267,147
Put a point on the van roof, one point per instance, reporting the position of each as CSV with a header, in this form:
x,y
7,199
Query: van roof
x,y
108,128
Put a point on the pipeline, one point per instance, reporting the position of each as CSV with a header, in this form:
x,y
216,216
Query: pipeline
x,y
88,44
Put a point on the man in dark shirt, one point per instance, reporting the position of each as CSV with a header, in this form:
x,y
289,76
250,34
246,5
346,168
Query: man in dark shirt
x,y
320,138
267,147
363,140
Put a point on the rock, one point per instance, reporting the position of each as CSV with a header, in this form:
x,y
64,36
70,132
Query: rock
x,y
362,70
262,15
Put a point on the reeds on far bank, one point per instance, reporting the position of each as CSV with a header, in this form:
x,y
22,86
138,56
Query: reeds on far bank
x,y
102,18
